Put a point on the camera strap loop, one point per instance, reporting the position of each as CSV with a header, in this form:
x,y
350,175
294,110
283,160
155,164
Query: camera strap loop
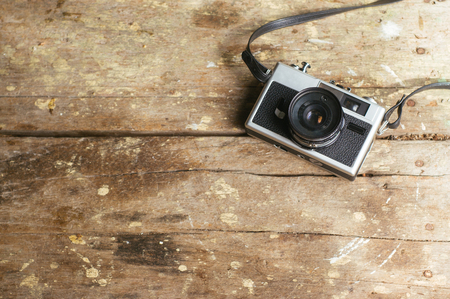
x,y
399,106
262,73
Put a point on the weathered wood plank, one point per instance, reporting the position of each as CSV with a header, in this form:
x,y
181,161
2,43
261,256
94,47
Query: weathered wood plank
x,y
213,115
179,184
102,44
391,207
220,265
47,158
123,68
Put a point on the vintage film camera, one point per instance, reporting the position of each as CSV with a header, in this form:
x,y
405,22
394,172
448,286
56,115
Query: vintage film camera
x,y
320,122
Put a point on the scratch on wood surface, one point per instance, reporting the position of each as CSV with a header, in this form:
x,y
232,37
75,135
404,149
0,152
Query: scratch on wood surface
x,y
390,256
417,192
349,248
352,72
391,72
319,41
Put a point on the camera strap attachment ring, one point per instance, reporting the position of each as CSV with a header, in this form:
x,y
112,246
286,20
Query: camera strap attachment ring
x,y
383,128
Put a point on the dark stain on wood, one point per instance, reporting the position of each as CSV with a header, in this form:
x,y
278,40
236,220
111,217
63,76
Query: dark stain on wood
x,y
73,16
60,3
86,158
64,215
123,217
148,250
174,218
216,15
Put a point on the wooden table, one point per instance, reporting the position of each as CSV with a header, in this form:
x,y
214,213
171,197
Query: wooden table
x,y
126,171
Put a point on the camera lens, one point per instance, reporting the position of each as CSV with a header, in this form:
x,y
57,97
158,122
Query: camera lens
x,y
315,117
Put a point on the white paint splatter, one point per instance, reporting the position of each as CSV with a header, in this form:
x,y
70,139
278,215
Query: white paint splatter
x,y
333,274
103,190
92,273
235,265
222,190
349,248
248,283
182,268
202,126
102,282
30,281
390,30
135,224
359,216
393,74
42,104
77,239
25,265
211,64
319,41
352,72
382,290
387,201
229,218
423,127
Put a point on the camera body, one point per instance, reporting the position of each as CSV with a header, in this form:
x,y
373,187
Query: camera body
x,y
320,122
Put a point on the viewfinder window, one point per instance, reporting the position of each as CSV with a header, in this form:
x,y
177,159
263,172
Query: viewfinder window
x,y
355,105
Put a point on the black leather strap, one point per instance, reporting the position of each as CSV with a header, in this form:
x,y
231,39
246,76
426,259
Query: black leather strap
x,y
262,73
401,103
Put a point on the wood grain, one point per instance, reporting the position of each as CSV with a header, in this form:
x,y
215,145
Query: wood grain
x,y
175,185
125,170
127,69
220,265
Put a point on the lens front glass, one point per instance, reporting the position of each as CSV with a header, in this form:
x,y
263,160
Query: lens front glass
x,y
315,114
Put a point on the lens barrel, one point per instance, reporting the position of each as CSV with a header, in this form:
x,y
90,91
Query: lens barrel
x,y
315,117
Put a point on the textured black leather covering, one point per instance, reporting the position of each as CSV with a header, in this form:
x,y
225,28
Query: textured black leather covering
x,y
344,150
265,116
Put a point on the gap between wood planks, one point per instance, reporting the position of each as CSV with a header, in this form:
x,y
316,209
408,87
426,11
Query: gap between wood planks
x,y
431,137
200,231
87,134
365,175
